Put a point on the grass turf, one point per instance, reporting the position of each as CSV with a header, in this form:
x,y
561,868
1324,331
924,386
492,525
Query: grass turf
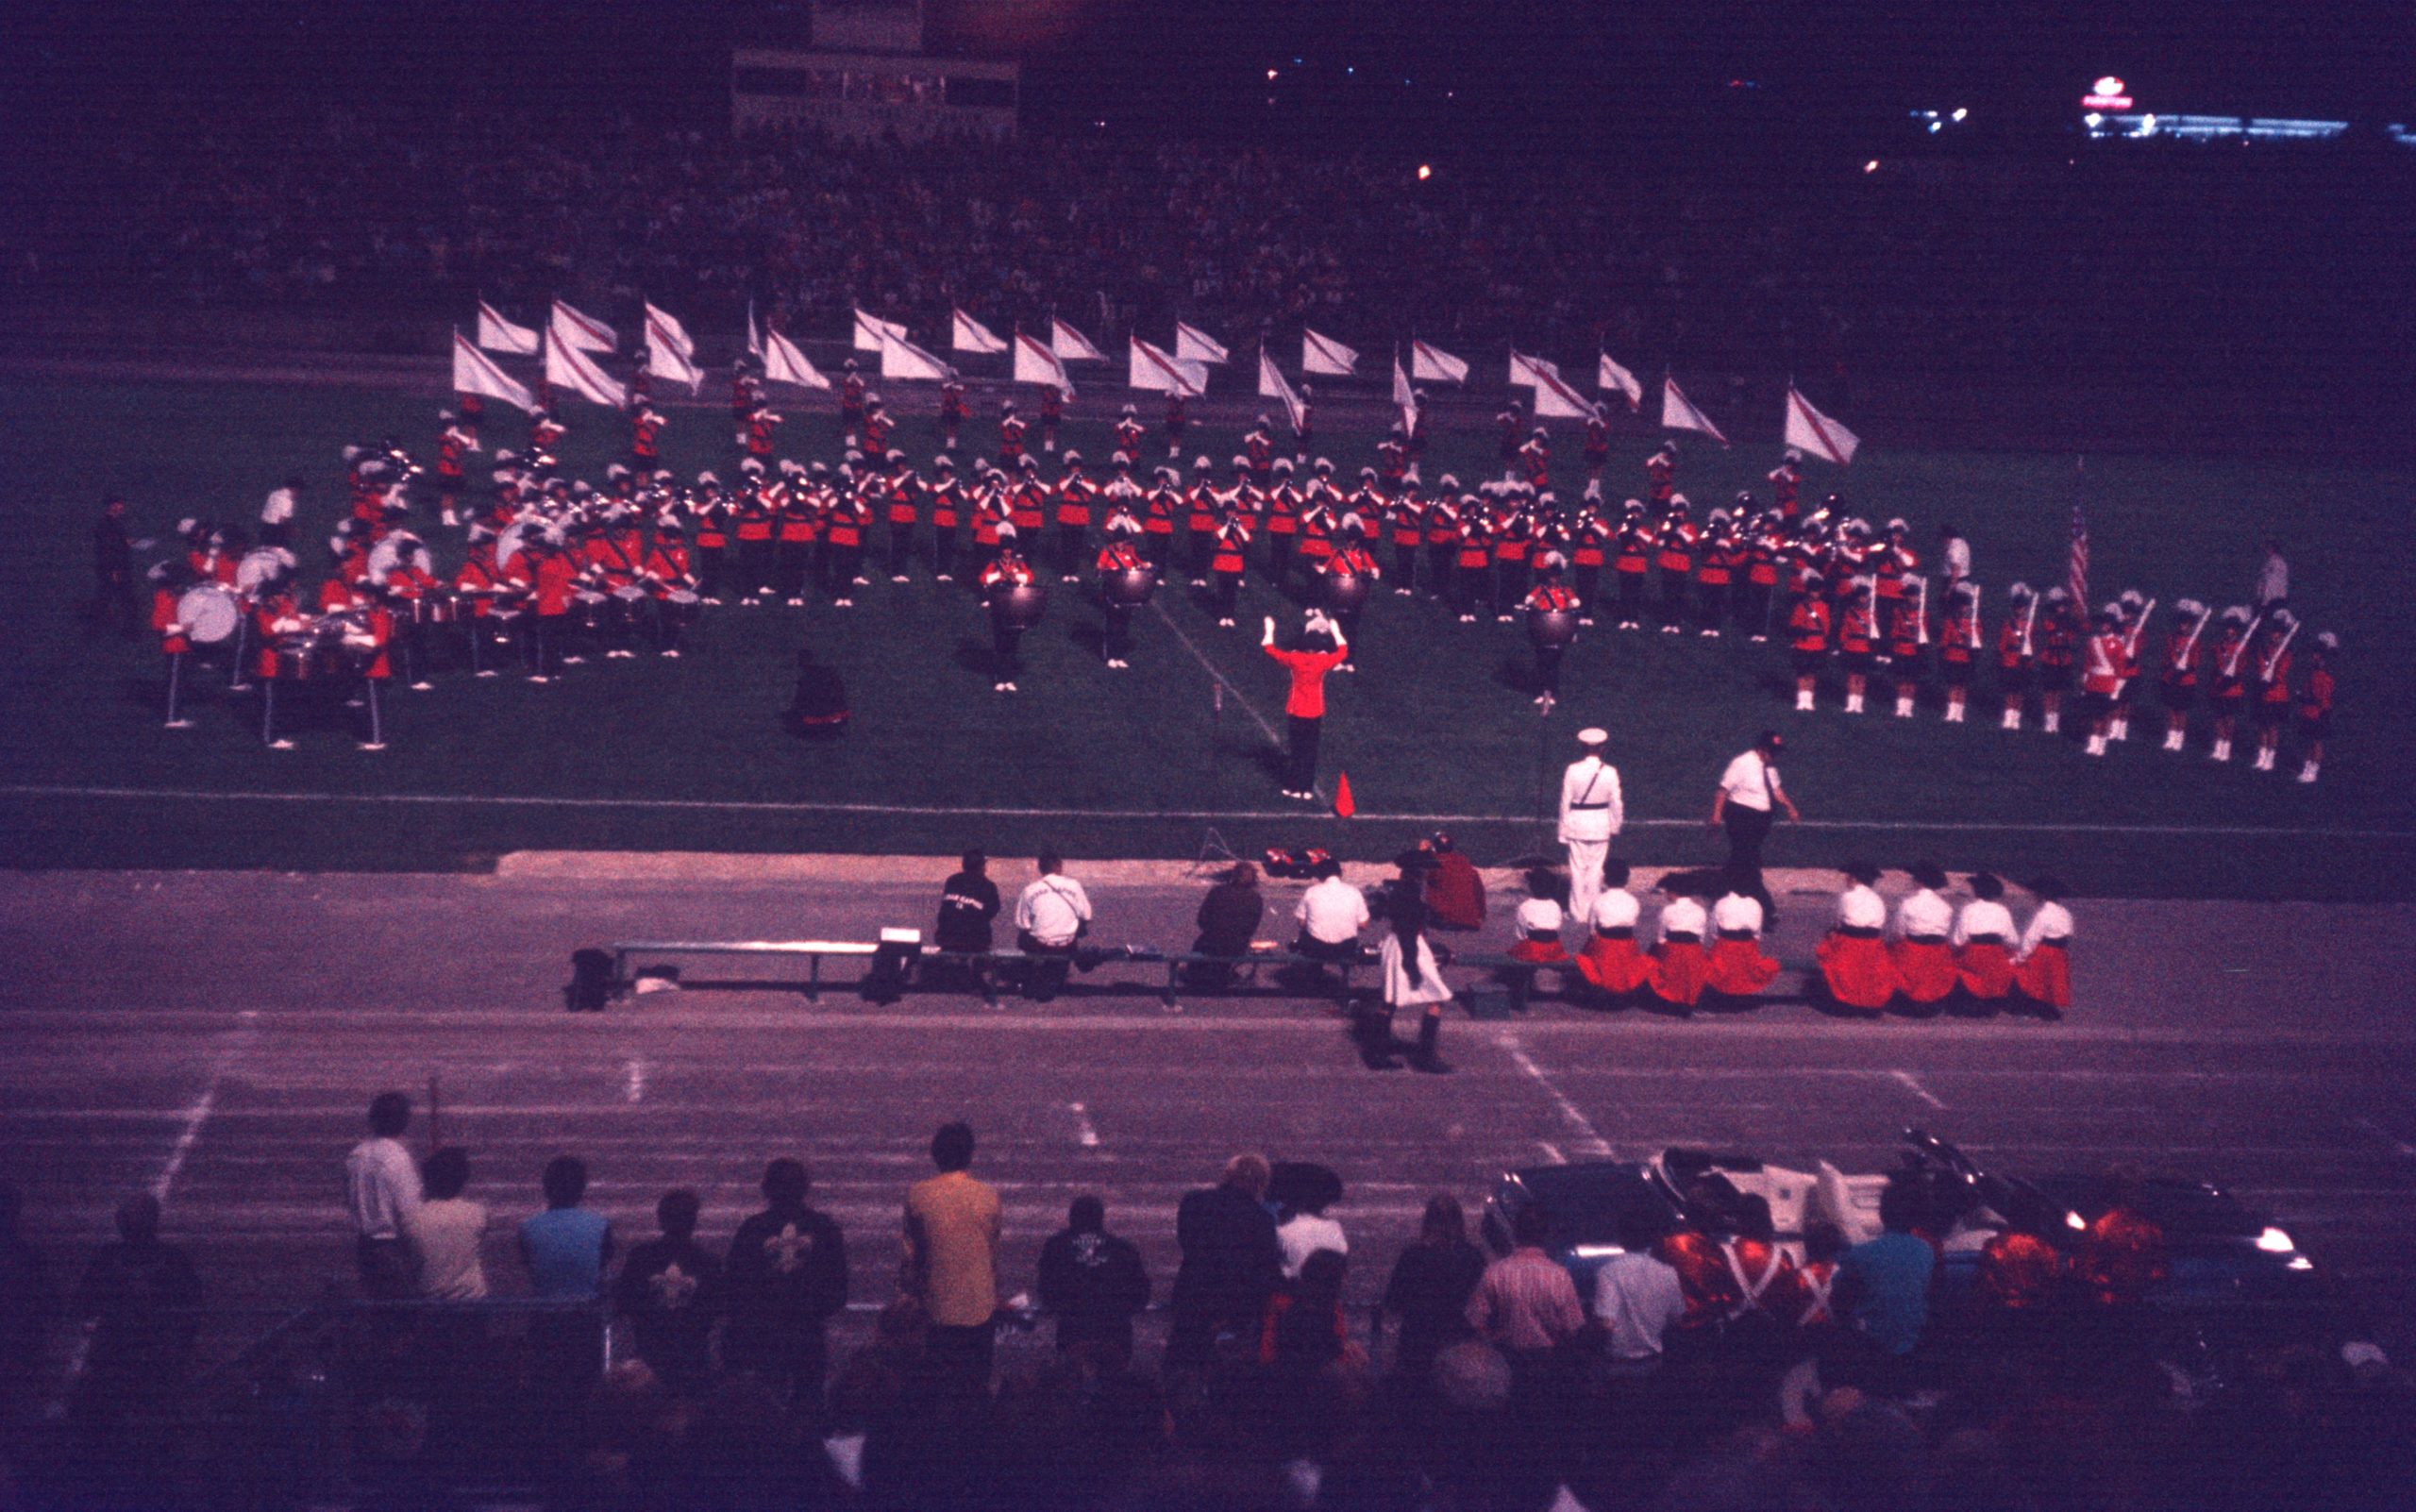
x,y
1437,722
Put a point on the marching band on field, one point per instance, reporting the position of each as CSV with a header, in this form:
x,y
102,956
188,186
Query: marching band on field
x,y
552,571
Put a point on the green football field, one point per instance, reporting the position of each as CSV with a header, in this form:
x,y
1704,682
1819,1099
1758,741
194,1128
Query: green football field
x,y
690,754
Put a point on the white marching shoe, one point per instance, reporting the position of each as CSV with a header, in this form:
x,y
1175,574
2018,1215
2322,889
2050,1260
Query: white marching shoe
x,y
1904,708
1955,713
2173,740
1854,704
2221,751
1804,700
2052,724
2265,758
2307,772
2096,744
2012,720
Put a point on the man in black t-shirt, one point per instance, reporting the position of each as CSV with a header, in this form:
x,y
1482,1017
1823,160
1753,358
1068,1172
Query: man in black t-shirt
x,y
787,1275
670,1288
1093,1281
968,903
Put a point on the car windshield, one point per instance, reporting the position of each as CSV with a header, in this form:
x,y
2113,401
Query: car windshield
x,y
1586,1202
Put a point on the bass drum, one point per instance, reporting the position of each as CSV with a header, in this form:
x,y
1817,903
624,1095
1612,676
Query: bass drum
x,y
1552,627
209,612
1346,593
1018,606
1130,588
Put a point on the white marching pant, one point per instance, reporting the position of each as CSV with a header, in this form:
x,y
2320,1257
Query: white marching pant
x,y
1585,858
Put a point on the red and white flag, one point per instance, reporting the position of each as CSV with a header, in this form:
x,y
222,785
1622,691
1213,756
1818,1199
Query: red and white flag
x,y
473,372
1404,397
497,334
1679,414
584,332
872,331
784,364
1072,344
1036,363
1530,372
669,354
1815,434
1610,376
1429,363
902,359
1154,367
966,334
570,369
1556,400
1272,386
1323,354
662,328
1192,344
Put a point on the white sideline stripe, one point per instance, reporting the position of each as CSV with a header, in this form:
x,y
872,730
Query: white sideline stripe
x,y
2387,1136
1083,1133
1594,1144
940,810
636,1089
196,1116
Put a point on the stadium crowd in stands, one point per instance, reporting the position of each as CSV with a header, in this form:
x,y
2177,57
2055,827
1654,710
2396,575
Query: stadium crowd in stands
x,y
1473,1377
2024,266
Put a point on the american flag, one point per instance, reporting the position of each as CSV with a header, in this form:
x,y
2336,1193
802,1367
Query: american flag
x,y
2076,565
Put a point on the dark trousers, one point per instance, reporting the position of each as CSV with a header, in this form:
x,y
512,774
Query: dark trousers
x,y
944,550
1045,973
1405,566
1301,770
1548,658
1069,546
709,562
1229,589
901,545
1003,640
1117,639
962,1351
1631,597
386,1269
1747,830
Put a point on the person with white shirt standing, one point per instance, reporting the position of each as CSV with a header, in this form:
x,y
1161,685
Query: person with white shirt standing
x,y
1591,813
1924,919
1855,969
2042,965
1051,915
1748,803
1637,1298
1984,938
1611,961
276,514
381,1191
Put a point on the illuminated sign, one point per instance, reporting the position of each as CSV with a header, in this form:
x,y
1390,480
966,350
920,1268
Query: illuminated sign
x,y
2107,94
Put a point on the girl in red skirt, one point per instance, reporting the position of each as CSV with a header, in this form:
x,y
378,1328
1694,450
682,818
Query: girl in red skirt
x,y
1737,968
1925,962
1610,961
1855,969
1679,961
2042,969
1984,939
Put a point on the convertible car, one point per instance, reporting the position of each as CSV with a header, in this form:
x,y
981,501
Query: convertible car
x,y
2224,1254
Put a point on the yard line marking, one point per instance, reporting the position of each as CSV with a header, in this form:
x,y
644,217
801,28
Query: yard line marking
x,y
1084,1135
1912,1083
636,1089
196,1116
504,800
2387,1136
1594,1144
1551,1151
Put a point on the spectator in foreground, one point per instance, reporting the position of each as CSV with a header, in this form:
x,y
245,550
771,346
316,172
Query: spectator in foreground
x,y
446,1230
381,1187
1227,923
1638,1298
1093,1283
1305,1329
1883,1290
670,1290
1526,1305
1301,1193
1231,1262
785,1280
140,1299
26,1304
951,1260
1051,915
567,1246
1430,1287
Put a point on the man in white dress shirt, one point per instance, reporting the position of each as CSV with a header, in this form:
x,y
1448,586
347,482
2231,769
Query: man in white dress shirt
x,y
1331,915
1053,913
381,1191
1747,804
1591,813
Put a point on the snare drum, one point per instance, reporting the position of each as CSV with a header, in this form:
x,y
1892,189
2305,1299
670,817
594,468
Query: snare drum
x,y
630,594
436,608
305,659
588,606
681,605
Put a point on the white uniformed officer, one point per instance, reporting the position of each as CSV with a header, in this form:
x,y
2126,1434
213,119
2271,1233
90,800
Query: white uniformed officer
x,y
1590,817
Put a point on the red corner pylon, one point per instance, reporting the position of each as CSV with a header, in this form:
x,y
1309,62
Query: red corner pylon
x,y
1344,804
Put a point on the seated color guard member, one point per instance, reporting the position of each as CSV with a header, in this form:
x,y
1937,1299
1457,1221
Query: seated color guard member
x,y
1924,922
1984,939
1737,968
1610,960
2042,965
1855,969
1679,959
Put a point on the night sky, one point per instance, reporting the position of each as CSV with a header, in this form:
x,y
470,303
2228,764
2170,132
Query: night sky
x,y
1415,72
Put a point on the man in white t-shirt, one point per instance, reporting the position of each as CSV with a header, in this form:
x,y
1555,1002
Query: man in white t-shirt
x,y
1050,915
1591,813
1748,803
381,1191
1637,1298
446,1230
1331,915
